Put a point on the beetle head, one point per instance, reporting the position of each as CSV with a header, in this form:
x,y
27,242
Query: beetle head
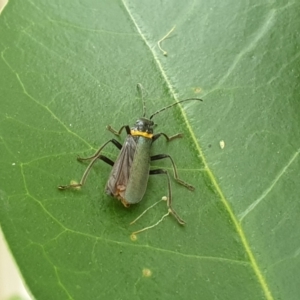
x,y
143,125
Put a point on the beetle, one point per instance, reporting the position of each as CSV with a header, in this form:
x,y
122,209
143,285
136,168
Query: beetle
x,y
130,171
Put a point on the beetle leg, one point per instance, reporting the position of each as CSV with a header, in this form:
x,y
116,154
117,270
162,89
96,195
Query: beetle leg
x,y
94,158
168,138
116,132
162,156
116,143
106,160
169,200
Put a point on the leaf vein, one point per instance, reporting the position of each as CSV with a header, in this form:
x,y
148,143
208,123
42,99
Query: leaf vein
x,y
269,189
234,219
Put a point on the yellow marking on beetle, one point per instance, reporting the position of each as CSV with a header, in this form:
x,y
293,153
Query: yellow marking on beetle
x,y
141,133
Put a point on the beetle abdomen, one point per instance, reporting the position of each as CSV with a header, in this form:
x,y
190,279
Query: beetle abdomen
x,y
139,172
120,173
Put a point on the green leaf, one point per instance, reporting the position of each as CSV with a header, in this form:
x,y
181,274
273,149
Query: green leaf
x,y
68,69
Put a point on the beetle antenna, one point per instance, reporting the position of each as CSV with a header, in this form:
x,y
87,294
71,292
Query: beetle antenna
x,y
141,91
164,108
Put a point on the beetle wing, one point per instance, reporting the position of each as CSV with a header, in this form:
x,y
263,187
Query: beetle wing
x,y
119,175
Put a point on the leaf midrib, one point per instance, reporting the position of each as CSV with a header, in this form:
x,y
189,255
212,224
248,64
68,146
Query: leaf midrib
x,y
261,279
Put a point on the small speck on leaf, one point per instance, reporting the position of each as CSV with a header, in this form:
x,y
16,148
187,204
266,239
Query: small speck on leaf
x,y
147,272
